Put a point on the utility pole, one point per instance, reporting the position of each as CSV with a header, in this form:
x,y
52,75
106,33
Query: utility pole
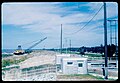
x,y
61,41
105,42
70,46
66,45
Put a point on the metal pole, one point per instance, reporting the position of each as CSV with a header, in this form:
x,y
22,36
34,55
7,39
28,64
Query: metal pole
x,y
116,41
66,44
70,46
61,41
105,41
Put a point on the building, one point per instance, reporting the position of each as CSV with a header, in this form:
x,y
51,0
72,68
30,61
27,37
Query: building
x,y
74,65
59,59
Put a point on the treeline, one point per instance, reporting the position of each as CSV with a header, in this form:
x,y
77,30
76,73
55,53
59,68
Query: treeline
x,y
111,49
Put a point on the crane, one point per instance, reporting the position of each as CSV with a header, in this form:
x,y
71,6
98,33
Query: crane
x,y
19,51
28,50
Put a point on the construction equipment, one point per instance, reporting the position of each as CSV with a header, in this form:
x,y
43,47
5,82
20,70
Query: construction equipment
x,y
19,51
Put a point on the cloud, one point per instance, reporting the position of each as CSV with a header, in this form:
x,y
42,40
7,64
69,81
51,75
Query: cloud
x,y
46,18
110,7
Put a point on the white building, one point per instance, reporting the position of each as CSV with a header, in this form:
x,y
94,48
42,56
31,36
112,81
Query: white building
x,y
75,65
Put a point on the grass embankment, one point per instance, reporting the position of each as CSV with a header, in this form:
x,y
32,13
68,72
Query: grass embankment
x,y
9,62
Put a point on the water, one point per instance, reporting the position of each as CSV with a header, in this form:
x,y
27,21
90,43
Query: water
x,y
8,50
12,50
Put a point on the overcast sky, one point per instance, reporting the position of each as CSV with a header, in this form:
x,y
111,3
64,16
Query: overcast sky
x,y
25,22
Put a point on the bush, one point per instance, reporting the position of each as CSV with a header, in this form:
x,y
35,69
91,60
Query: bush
x,y
12,61
5,63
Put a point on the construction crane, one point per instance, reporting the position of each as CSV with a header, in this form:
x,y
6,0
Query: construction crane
x,y
19,51
28,50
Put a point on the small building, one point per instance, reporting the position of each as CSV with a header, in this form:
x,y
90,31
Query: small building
x,y
75,65
59,60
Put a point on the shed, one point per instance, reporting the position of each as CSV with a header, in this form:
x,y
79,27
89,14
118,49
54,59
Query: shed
x,y
75,65
59,60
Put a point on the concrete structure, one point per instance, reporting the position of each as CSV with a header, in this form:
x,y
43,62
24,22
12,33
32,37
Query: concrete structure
x,y
75,65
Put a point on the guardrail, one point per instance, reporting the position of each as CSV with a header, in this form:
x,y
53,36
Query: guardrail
x,y
102,58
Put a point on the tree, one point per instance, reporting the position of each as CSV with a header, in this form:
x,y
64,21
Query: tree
x,y
82,50
110,50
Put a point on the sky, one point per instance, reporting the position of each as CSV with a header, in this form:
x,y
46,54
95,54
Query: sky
x,y
24,22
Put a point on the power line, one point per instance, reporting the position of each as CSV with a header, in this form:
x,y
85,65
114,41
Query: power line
x,y
87,22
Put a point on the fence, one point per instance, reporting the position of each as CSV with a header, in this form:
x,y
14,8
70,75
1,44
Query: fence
x,y
99,69
102,58
46,73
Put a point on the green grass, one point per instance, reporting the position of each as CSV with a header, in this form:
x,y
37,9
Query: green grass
x,y
84,76
68,52
93,55
9,62
87,76
89,55
80,76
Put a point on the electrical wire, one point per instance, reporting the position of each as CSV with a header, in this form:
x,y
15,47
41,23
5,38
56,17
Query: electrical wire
x,y
87,22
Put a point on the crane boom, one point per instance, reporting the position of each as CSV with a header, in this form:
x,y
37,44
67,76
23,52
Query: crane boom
x,y
37,43
27,50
